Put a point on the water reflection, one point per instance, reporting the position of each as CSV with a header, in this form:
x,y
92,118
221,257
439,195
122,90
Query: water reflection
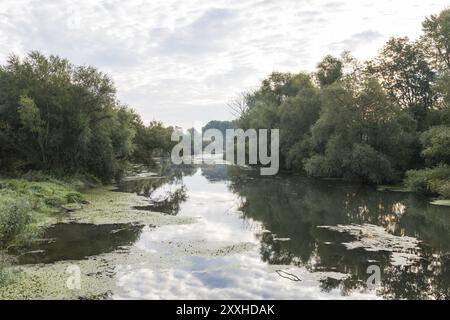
x,y
281,217
294,207
165,190
74,241
165,201
266,237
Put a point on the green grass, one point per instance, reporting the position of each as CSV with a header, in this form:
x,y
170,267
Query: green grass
x,y
24,203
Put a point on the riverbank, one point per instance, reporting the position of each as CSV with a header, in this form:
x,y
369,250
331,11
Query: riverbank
x,y
25,205
31,208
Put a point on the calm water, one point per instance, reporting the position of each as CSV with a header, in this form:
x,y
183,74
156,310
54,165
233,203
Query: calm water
x,y
310,239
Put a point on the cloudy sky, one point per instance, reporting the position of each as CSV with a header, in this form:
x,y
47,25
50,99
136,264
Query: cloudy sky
x,y
181,61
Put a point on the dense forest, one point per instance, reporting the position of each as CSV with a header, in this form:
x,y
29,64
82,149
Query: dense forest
x,y
59,118
374,122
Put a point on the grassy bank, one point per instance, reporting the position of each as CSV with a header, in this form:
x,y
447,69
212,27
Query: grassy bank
x,y
25,203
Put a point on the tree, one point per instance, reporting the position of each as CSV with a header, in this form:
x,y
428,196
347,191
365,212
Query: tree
x,y
353,122
64,119
30,117
297,115
436,30
436,144
403,71
329,70
151,141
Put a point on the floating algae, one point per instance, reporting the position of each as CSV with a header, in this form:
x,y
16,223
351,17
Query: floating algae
x,y
49,281
403,250
106,206
206,248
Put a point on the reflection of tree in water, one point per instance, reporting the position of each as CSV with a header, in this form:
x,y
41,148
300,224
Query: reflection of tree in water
x,y
293,207
430,278
143,187
215,173
169,204
75,241
167,175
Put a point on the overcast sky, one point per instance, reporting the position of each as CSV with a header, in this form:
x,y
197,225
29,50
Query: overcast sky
x,y
181,61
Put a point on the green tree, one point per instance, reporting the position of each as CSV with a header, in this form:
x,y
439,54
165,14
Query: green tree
x,y
352,123
436,144
404,72
436,30
30,117
329,70
57,117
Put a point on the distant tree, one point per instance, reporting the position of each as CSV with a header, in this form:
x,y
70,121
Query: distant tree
x,y
152,141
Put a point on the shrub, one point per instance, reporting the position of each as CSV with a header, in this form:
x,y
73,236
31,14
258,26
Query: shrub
x,y
444,190
15,217
368,165
317,166
429,181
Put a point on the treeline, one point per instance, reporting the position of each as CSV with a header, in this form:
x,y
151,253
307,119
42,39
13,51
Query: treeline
x,y
64,119
371,121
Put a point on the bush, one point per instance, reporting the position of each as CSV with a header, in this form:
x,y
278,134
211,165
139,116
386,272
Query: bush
x,y
21,199
429,181
368,165
317,166
15,217
444,190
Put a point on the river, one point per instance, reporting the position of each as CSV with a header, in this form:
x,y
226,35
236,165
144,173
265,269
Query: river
x,y
254,237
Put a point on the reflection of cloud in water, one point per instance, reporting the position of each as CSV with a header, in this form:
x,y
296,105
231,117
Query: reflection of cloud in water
x,y
218,220
203,269
227,255
230,277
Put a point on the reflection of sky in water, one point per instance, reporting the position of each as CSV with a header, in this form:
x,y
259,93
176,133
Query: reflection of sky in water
x,y
239,276
161,193
234,276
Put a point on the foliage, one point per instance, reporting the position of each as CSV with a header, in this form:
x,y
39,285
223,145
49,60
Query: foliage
x,y
429,181
15,216
152,141
367,122
66,120
222,126
404,72
437,38
329,70
23,201
436,144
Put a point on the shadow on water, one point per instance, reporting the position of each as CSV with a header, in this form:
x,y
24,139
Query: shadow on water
x,y
74,241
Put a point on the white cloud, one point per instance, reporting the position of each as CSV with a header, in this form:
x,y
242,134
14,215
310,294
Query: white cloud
x,y
180,61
